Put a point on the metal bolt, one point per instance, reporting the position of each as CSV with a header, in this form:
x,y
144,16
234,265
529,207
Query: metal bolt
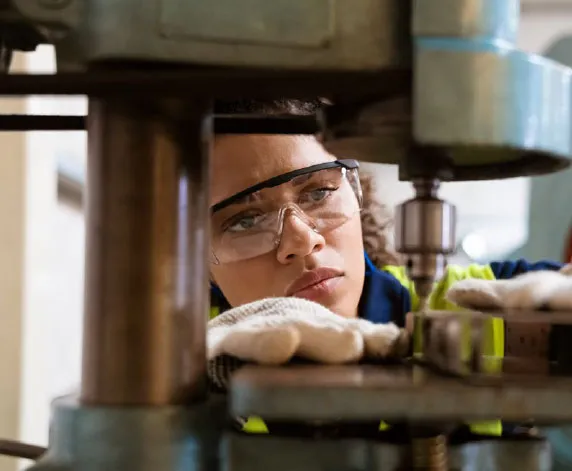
x,y
54,4
430,454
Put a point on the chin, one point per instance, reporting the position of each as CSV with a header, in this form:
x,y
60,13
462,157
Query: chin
x,y
341,307
342,301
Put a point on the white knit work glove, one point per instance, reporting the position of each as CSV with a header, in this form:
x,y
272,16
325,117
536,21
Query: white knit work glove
x,y
275,330
533,290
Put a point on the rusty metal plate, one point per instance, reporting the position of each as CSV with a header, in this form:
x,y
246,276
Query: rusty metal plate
x,y
394,393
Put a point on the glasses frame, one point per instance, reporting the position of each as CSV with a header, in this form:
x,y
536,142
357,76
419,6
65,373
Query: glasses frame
x,y
349,164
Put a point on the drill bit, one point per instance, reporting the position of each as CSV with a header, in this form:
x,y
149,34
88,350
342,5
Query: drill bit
x,y
423,288
423,304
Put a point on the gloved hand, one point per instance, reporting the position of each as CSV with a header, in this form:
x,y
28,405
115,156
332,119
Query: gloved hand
x,y
532,290
273,331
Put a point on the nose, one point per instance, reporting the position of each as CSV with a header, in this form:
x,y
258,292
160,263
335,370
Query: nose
x,y
298,239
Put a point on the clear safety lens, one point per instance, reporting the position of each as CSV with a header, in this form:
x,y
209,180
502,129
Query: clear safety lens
x,y
323,200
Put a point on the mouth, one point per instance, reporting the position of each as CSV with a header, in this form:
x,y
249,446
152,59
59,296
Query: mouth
x,y
316,283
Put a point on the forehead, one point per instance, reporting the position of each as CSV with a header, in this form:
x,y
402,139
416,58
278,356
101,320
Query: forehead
x,y
242,161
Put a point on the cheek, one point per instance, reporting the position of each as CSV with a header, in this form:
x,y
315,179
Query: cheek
x,y
347,239
348,243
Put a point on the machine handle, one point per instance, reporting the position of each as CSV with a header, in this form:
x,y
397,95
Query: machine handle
x,y
21,450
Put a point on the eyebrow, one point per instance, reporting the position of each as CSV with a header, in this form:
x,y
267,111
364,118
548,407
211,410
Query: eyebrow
x,y
297,181
246,199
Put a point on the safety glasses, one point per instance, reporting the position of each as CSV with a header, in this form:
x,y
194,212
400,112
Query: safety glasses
x,y
251,222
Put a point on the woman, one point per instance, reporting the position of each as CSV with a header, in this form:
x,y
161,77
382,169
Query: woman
x,y
287,226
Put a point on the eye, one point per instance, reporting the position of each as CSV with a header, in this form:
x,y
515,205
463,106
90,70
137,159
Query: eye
x,y
243,223
318,195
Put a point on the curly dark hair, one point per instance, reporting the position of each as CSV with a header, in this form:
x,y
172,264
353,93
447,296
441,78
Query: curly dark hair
x,y
377,224
269,107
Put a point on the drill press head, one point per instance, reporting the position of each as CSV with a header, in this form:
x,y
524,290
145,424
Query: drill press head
x,y
478,109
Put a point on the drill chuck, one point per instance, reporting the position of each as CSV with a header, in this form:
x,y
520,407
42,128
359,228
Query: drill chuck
x,y
425,235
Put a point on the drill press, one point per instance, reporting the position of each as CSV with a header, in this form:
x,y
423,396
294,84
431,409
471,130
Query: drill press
x,y
432,85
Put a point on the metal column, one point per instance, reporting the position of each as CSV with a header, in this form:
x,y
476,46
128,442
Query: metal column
x,y
146,298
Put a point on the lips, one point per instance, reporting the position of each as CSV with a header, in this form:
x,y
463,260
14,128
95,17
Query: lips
x,y
312,279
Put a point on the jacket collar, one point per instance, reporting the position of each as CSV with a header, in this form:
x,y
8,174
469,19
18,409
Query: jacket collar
x,y
384,299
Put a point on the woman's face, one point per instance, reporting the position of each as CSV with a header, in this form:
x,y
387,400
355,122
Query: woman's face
x,y
302,255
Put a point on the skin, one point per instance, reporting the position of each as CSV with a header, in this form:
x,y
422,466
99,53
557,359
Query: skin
x,y
243,160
